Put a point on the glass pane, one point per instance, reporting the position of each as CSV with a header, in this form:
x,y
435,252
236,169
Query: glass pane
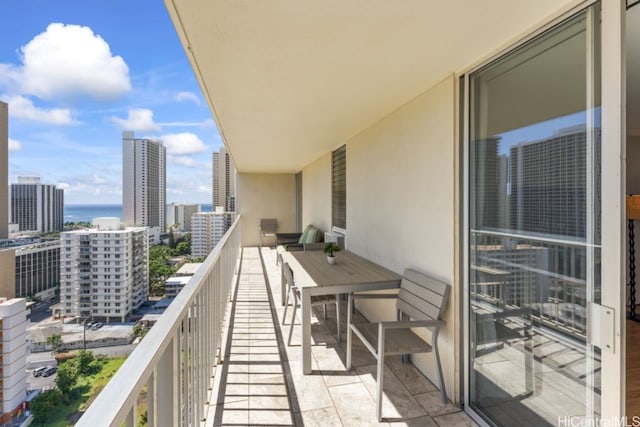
x,y
534,256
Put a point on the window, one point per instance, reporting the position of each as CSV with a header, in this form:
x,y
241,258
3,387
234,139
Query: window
x,y
339,187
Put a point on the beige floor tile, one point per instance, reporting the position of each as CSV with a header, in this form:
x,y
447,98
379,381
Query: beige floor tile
x,y
397,402
309,391
270,417
432,403
458,419
409,376
425,421
269,390
354,405
324,417
276,403
235,417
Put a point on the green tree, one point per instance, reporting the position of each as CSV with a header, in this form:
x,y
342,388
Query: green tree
x,y
139,330
84,363
43,404
183,248
172,240
55,341
66,378
159,268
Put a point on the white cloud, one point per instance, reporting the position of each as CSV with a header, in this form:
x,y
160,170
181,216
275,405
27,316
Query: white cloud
x,y
179,144
14,145
140,119
23,108
67,61
187,96
182,161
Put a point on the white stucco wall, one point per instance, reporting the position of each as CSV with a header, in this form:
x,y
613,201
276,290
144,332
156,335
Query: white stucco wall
x,y
401,204
316,193
265,196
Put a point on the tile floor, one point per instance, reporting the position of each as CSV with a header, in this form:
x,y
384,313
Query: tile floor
x,y
260,381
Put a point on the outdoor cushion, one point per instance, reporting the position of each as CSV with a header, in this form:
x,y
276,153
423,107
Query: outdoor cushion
x,y
310,235
305,234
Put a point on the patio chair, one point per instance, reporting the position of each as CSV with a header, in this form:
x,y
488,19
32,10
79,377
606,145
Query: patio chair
x,y
424,300
268,228
316,300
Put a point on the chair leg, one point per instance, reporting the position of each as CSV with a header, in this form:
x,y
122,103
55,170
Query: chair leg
x,y
349,338
293,317
338,315
436,356
286,305
379,385
324,308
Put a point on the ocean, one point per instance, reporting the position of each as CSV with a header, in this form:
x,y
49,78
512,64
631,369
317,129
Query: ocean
x,y
78,213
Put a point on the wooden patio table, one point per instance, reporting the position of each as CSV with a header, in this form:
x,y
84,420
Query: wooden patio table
x,y
315,276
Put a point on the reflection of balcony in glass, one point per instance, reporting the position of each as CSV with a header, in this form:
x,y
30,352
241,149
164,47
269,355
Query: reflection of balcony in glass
x,y
516,269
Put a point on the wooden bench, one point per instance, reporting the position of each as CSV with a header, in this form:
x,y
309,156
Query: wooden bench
x,y
424,300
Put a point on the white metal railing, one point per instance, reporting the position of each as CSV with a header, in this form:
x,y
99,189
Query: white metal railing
x,y
175,360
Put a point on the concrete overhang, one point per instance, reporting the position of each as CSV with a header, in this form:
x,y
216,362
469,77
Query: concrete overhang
x,y
289,80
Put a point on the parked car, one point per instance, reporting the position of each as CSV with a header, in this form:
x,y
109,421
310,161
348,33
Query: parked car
x,y
50,370
38,371
96,326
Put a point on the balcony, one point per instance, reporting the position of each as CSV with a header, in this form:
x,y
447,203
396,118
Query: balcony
x,y
239,370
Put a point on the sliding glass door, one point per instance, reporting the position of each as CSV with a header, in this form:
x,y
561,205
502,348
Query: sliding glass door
x,y
534,229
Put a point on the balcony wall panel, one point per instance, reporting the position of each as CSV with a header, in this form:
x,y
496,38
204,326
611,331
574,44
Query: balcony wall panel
x,y
400,202
265,196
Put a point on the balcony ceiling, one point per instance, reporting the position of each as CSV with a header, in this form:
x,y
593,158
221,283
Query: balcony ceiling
x,y
289,80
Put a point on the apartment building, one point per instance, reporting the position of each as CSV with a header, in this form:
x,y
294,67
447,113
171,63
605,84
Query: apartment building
x,y
179,215
13,351
144,184
4,167
207,228
104,271
35,206
223,181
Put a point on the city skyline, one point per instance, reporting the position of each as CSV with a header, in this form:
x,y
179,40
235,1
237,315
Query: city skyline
x,y
75,75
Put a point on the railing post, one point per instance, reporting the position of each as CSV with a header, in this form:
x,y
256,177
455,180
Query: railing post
x,y
166,391
151,401
130,421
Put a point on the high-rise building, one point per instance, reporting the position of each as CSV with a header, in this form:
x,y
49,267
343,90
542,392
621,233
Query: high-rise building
x,y
13,348
223,182
4,169
143,182
207,228
179,215
35,206
548,182
104,271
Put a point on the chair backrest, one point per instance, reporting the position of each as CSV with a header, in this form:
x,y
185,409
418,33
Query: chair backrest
x,y
288,274
268,225
422,297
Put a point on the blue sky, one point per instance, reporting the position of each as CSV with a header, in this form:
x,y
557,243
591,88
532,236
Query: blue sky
x,y
76,73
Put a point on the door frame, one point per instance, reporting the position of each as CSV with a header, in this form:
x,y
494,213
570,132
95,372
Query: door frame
x,y
613,224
